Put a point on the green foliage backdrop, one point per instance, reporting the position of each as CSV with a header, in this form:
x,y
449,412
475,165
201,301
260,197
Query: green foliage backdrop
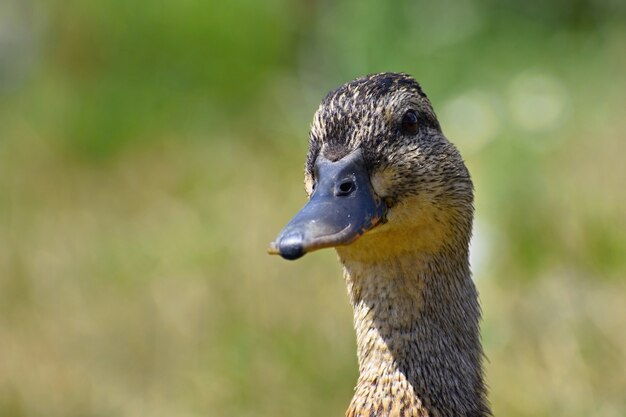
x,y
150,150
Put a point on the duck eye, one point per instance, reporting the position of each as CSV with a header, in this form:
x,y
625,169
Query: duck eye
x,y
409,122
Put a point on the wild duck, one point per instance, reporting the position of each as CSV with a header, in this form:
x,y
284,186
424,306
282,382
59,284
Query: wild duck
x,y
392,195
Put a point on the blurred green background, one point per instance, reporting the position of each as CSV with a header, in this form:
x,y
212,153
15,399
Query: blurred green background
x,y
149,151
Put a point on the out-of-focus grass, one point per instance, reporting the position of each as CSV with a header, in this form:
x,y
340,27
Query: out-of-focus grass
x,y
149,154
143,288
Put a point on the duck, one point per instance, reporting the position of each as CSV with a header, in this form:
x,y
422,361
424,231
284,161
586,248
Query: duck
x,y
393,196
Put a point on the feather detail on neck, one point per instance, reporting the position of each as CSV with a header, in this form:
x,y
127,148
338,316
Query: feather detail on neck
x,y
416,320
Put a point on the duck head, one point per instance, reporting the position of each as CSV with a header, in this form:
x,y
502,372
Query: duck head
x,y
380,175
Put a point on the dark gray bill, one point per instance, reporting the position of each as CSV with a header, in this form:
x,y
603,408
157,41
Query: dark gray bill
x,y
342,207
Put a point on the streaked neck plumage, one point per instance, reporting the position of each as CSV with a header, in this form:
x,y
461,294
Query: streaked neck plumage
x,y
416,318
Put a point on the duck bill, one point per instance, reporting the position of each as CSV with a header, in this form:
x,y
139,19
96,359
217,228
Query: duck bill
x,y
342,207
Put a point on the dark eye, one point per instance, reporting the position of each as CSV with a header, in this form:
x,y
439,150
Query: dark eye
x,y
409,122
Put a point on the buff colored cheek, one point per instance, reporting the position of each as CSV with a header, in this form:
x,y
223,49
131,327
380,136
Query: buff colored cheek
x,y
382,181
308,184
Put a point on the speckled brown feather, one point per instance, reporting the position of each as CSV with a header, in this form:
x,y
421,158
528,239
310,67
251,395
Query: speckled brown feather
x,y
416,309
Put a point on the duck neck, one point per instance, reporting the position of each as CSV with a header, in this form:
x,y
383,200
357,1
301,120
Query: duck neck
x,y
416,319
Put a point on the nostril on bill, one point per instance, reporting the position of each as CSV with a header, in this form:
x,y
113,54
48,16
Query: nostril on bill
x,y
345,187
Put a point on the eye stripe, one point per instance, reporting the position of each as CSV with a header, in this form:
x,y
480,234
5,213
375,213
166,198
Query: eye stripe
x,y
410,122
